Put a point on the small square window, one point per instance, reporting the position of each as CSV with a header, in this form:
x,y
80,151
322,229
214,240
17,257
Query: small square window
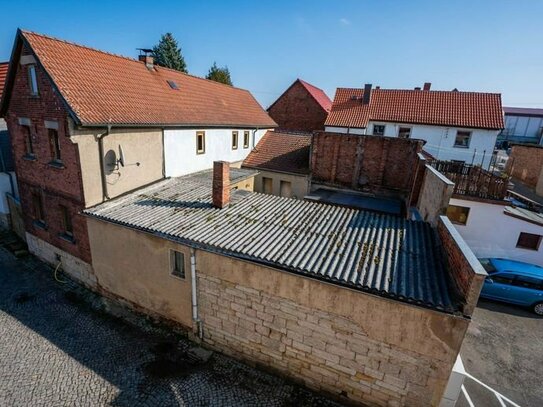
x,y
32,80
404,132
177,264
200,142
378,129
234,140
458,214
529,241
246,139
54,144
462,139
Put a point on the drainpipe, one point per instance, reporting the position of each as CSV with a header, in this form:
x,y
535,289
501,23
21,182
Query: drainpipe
x,y
254,136
100,137
195,294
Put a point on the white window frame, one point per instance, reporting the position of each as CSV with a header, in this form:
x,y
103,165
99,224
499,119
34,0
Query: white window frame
x,y
173,270
379,124
470,133
33,80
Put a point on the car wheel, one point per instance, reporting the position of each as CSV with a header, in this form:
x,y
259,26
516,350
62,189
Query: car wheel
x,y
538,308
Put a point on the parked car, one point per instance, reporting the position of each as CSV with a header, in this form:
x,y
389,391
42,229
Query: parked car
x,y
514,282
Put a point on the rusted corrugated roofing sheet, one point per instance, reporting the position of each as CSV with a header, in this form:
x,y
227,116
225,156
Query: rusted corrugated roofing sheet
x,y
382,254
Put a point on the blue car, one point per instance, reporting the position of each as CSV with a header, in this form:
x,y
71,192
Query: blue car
x,y
514,282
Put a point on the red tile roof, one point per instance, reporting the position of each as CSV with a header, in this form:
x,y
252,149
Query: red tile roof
x,y
103,88
3,73
284,152
319,95
444,108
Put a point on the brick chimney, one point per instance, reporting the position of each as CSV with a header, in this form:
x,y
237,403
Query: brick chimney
x,y
367,94
148,59
221,184
427,86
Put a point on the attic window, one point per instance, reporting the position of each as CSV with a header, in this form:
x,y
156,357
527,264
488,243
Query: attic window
x,y
173,85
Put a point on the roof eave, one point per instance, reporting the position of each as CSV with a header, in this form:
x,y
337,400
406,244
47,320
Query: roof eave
x,y
178,125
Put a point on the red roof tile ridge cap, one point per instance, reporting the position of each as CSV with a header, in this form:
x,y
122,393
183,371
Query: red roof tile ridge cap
x,y
422,91
79,45
309,84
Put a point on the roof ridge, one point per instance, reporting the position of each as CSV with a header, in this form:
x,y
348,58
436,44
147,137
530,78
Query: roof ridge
x,y
124,57
313,86
421,91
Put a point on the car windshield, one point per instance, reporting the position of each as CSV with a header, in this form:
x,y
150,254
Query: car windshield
x,y
488,266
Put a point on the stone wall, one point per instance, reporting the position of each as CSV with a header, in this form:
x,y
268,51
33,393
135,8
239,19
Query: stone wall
x,y
435,194
71,265
356,346
467,273
369,163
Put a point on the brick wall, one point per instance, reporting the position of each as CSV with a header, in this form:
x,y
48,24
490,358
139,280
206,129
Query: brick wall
x,y
369,163
467,274
296,109
353,345
526,164
56,185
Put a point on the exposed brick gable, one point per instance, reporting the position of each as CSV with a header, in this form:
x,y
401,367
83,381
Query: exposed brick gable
x,y
57,186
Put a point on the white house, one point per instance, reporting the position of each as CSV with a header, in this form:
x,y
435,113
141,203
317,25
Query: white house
x,y
190,150
498,229
456,125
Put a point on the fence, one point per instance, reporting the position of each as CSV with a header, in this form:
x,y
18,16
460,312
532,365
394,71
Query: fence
x,y
472,180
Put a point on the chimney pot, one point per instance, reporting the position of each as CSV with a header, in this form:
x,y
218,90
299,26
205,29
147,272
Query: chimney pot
x,y
221,184
367,94
148,59
427,85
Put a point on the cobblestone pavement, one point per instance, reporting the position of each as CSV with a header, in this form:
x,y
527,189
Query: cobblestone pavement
x,y
57,349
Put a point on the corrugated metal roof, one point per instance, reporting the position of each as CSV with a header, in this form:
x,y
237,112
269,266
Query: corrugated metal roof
x,y
383,254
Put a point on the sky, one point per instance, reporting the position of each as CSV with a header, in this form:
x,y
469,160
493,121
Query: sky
x,y
490,46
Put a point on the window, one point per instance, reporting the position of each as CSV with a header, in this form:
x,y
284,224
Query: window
x,y
404,132
32,80
529,241
245,139
37,207
200,142
234,140
462,139
458,214
177,264
29,147
528,282
54,144
267,185
66,222
503,278
285,189
378,129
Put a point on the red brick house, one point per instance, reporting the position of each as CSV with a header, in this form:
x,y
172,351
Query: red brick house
x,y
87,126
302,107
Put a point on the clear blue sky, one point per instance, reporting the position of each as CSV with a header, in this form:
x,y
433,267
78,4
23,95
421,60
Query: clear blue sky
x,y
479,45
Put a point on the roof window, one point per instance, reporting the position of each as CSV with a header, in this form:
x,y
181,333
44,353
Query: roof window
x,y
173,85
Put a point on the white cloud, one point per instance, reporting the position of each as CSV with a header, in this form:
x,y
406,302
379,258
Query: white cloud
x,y
344,21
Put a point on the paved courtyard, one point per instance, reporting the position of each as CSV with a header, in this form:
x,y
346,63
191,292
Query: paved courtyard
x,y
504,349
58,350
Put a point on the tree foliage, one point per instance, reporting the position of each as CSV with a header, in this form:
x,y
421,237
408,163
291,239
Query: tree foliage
x,y
219,74
167,53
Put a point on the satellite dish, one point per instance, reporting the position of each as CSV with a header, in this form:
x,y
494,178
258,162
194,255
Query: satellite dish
x,y
122,158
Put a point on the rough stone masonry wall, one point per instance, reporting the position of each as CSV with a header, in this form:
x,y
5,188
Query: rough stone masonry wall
x,y
435,194
356,346
370,163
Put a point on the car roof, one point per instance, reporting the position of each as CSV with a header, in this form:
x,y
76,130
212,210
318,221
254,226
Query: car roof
x,y
517,267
